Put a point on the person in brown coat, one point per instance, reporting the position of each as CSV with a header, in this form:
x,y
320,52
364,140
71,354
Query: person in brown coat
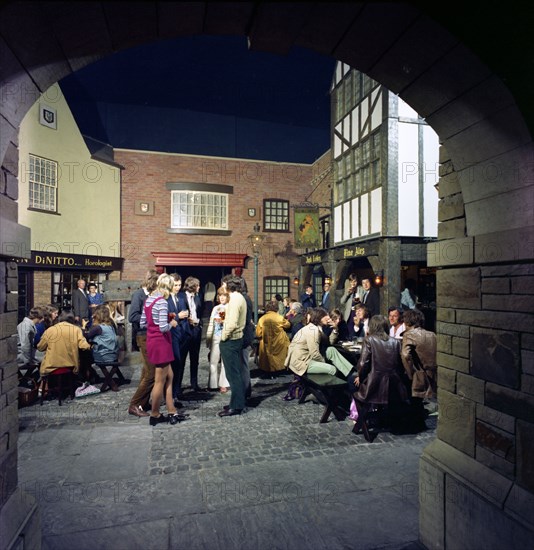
x,y
62,343
419,355
274,342
419,359
379,368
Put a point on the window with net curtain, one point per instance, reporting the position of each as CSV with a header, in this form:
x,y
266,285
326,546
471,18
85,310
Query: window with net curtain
x,y
199,210
43,184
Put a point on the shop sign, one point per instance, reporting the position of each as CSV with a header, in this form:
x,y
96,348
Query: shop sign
x,y
51,260
354,252
314,259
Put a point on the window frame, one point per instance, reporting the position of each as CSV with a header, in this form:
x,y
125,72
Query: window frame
x,y
44,162
267,217
202,194
268,294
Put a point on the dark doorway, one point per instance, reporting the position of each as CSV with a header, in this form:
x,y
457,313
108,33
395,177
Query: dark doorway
x,y
205,274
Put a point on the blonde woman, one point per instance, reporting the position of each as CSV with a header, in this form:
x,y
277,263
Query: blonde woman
x,y
103,336
213,339
155,318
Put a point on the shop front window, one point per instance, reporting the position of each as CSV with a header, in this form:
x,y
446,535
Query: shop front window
x,y
64,283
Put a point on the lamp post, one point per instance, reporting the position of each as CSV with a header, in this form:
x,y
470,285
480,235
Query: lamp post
x,y
256,240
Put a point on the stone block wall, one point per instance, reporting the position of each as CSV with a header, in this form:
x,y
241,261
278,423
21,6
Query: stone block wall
x,y
480,466
19,517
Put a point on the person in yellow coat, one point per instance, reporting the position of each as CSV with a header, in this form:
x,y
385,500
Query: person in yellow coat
x,y
274,341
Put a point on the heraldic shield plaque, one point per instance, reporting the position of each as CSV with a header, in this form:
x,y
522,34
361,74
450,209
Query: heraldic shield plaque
x,y
48,116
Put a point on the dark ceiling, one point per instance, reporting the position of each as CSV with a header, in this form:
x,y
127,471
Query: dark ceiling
x,y
207,95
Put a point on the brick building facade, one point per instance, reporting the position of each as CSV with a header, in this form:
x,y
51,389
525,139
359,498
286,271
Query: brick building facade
x,y
148,238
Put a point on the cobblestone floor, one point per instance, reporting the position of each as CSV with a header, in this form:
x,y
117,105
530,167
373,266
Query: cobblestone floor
x,y
82,459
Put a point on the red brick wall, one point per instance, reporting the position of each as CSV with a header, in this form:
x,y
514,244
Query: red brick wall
x,y
144,179
321,185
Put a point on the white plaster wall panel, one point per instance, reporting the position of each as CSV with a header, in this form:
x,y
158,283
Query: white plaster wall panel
x,y
337,224
355,134
408,180
346,221
364,214
376,115
364,113
376,210
339,72
346,132
337,143
405,110
355,217
431,177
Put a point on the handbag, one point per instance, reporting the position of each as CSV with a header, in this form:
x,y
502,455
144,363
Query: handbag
x,y
28,392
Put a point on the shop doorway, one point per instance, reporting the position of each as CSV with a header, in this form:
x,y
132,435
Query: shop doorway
x,y
207,275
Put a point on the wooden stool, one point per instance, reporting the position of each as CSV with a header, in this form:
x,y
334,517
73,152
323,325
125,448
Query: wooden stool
x,y
109,369
60,373
361,424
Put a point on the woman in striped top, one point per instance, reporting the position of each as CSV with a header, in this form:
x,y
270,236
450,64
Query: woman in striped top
x,y
155,318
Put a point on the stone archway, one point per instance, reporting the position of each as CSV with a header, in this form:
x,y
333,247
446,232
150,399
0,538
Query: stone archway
x,y
476,478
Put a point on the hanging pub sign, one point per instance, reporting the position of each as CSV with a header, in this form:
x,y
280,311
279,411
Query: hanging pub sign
x,y
53,260
307,233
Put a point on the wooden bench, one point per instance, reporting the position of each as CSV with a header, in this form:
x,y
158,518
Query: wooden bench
x,y
329,390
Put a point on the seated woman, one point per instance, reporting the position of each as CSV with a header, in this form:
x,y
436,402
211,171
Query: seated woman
x,y
103,336
271,332
62,343
379,379
342,327
309,350
361,321
94,298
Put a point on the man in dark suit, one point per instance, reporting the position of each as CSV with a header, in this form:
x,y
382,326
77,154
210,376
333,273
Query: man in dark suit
x,y
80,302
325,302
181,333
192,345
307,299
371,298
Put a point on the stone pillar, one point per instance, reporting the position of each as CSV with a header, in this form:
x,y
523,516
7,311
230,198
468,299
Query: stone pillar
x,y
477,478
19,517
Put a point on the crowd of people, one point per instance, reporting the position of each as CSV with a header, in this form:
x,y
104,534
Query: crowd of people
x,y
398,356
397,364
76,338
167,329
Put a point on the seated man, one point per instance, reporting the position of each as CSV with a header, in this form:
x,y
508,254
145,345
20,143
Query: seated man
x,y
397,326
26,335
309,350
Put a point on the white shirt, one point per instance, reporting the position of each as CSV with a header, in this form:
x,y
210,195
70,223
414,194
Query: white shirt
x,y
397,333
192,306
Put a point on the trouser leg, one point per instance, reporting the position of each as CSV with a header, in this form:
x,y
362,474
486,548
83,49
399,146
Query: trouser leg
x,y
343,365
194,354
142,394
233,364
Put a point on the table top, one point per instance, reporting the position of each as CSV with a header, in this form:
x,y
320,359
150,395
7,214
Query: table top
x,y
349,346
